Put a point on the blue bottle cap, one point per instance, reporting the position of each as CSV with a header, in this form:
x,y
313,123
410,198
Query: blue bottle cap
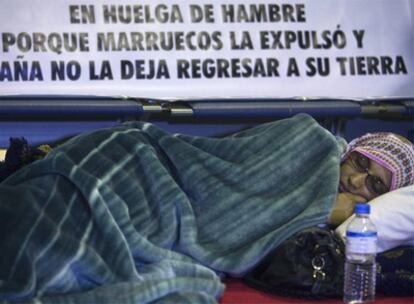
x,y
362,208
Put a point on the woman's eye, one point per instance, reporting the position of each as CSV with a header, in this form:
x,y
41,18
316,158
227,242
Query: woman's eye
x,y
376,186
362,162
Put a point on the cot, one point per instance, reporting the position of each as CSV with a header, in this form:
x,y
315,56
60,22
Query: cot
x,y
33,117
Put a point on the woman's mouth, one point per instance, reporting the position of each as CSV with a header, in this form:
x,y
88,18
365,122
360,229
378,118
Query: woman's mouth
x,y
342,188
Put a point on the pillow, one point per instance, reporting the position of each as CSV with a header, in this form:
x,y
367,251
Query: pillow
x,y
393,215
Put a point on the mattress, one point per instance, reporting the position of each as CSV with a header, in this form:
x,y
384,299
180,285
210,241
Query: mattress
x,y
237,292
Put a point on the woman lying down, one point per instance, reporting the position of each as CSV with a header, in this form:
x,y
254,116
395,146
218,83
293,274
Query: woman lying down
x,y
132,214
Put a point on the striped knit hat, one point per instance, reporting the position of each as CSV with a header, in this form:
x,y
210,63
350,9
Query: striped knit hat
x,y
389,151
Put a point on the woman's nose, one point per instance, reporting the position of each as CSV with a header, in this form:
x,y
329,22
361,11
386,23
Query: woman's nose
x,y
357,179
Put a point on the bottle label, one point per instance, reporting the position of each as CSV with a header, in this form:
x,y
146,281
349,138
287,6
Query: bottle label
x,y
361,242
361,234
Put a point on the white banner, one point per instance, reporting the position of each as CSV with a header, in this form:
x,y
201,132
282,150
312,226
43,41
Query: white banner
x,y
208,49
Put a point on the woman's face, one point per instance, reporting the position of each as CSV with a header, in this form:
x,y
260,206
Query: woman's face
x,y
364,177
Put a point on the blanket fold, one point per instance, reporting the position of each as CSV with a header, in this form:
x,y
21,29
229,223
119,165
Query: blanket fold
x,y
133,214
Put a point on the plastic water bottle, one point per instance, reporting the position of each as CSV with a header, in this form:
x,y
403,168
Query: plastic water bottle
x,y
360,251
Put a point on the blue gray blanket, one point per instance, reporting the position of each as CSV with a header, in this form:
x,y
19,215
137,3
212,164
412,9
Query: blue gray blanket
x,y
132,214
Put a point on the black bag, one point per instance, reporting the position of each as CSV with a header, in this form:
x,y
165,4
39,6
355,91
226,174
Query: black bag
x,y
310,264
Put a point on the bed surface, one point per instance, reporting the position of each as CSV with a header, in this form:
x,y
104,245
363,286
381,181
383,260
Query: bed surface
x,y
237,292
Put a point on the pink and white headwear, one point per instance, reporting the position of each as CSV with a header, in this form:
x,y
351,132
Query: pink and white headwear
x,y
387,150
